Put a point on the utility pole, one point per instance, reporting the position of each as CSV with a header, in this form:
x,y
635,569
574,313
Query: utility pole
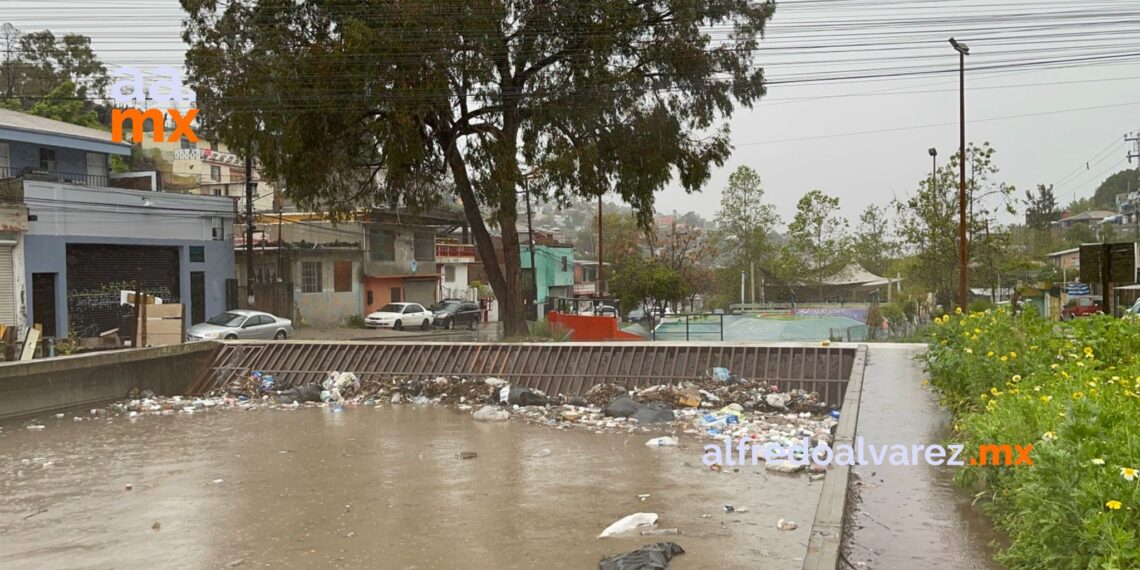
x,y
1134,138
249,227
601,284
530,237
963,50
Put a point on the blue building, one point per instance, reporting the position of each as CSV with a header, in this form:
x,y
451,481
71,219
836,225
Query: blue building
x,y
86,239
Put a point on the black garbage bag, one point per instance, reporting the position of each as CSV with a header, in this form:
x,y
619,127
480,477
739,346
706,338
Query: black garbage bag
x,y
648,557
622,407
520,396
306,393
626,407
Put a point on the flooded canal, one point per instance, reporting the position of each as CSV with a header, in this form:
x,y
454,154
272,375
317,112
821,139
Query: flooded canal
x,y
912,516
372,488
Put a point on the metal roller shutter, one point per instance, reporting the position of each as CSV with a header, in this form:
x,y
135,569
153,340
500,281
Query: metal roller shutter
x,y
96,273
7,287
420,291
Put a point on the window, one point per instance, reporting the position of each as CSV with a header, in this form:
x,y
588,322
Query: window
x,y
197,254
185,144
5,161
217,191
47,159
395,294
449,273
413,308
216,173
342,276
425,246
213,146
381,245
310,277
564,263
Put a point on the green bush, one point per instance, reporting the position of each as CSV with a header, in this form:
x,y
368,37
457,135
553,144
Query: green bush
x,y
980,305
1071,391
357,322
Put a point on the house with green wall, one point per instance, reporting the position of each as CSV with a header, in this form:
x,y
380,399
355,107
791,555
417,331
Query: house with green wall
x,y
555,270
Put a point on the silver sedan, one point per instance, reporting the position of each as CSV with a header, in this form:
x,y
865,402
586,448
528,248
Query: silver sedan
x,y
241,323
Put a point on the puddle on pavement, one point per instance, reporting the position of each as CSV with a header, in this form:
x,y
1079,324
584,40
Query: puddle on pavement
x,y
912,516
372,488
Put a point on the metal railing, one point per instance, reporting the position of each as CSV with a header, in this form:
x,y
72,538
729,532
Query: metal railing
x,y
695,326
82,179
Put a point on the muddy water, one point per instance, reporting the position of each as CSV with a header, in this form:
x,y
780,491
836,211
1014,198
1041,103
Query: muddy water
x,y
912,516
371,488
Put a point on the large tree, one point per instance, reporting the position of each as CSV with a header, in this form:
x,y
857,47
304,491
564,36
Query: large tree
x,y
1041,208
35,65
745,225
1120,183
581,98
818,246
874,246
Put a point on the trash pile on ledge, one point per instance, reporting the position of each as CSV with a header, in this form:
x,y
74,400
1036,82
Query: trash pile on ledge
x,y
717,406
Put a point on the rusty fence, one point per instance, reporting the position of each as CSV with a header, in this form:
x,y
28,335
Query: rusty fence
x,y
554,368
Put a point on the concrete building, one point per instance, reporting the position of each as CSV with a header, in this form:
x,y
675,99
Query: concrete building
x,y
86,242
208,168
336,271
555,270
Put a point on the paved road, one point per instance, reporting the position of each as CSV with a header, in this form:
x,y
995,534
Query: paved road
x,y
911,517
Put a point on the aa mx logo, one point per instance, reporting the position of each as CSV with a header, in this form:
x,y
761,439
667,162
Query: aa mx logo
x,y
131,93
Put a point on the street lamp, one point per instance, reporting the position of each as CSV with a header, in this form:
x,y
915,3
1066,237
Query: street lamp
x,y
933,169
963,50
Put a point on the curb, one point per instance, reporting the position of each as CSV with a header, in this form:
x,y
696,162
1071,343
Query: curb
x,y
826,540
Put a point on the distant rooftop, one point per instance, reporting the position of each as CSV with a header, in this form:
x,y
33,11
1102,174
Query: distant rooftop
x,y
23,127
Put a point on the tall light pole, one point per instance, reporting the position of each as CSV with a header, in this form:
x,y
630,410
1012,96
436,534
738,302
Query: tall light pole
x,y
933,169
963,50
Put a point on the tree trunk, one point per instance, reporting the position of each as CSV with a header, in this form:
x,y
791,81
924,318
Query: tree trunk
x,y
513,314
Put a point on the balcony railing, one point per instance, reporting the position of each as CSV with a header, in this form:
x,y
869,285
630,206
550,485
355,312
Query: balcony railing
x,y
81,179
454,253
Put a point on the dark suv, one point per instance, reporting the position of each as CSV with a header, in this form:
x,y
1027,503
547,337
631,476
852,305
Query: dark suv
x,y
452,313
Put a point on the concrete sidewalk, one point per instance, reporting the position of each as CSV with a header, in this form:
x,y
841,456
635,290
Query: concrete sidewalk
x,y
911,516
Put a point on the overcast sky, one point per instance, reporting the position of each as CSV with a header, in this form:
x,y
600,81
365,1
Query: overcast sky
x,y
1055,87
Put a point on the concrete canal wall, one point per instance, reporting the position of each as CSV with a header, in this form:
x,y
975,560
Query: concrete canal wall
x,y
41,386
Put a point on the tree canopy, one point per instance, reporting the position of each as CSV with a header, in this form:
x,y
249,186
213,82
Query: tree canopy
x,y
39,65
382,102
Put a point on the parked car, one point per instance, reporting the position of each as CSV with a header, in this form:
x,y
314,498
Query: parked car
x,y
396,316
454,312
243,324
1081,307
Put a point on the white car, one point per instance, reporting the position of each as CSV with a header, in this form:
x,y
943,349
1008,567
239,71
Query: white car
x,y
396,316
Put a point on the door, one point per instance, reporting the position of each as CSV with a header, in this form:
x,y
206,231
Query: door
x,y
197,297
7,287
43,302
395,294
96,169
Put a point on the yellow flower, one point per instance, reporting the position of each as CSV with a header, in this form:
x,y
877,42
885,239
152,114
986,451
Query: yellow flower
x,y
1034,347
958,310
1048,436
969,350
1063,373
1091,384
1004,358
985,396
995,391
1078,395
1012,354
990,354
1054,366
1128,473
1016,378
1097,461
1037,388
1114,505
1046,399
977,331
